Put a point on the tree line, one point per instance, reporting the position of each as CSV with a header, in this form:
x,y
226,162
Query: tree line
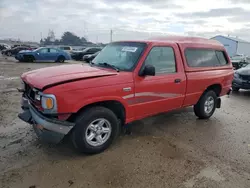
x,y
68,38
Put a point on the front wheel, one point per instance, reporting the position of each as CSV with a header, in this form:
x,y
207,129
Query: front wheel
x,y
31,59
205,107
95,130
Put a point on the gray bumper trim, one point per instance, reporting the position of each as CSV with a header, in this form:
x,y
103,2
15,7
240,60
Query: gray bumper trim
x,y
61,127
24,103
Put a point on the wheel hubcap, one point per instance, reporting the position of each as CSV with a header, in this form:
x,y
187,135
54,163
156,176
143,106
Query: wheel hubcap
x,y
209,105
98,132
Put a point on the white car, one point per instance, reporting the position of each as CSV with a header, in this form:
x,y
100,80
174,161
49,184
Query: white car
x,y
66,48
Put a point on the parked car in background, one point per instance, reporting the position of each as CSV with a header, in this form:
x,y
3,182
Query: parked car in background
x,y
43,54
67,49
78,49
239,61
30,49
88,58
78,55
14,51
127,81
241,78
4,46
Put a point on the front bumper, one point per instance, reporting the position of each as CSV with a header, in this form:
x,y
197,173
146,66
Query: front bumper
x,y
19,57
47,129
76,56
242,84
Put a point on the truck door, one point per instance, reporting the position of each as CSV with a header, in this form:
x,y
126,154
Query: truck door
x,y
166,90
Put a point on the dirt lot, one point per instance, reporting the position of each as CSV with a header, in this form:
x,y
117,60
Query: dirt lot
x,y
169,150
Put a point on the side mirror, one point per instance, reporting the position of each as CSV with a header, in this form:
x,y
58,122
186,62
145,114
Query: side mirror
x,y
149,70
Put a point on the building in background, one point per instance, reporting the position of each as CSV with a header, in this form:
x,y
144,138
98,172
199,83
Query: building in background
x,y
13,42
234,45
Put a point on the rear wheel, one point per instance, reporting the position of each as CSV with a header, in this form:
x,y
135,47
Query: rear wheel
x,y
95,130
205,107
60,59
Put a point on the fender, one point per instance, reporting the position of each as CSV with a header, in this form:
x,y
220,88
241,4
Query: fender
x,y
100,99
129,112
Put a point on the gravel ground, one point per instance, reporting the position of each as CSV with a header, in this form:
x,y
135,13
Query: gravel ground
x,y
168,150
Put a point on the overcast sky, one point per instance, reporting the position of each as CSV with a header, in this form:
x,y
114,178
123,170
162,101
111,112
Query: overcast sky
x,y
129,19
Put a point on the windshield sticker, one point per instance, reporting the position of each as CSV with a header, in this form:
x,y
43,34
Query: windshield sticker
x,y
129,49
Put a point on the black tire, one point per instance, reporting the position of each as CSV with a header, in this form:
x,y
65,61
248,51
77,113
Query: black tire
x,y
60,59
199,108
31,59
236,89
82,123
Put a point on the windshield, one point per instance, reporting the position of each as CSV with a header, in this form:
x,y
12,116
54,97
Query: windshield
x,y
123,55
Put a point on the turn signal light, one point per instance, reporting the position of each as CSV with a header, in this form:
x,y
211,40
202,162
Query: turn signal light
x,y
49,103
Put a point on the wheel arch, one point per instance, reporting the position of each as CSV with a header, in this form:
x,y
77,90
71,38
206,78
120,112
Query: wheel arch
x,y
61,55
27,57
114,105
217,88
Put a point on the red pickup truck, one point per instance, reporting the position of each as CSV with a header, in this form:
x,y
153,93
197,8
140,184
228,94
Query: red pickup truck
x,y
127,81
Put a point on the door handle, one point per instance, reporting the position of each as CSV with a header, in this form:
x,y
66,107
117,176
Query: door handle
x,y
177,80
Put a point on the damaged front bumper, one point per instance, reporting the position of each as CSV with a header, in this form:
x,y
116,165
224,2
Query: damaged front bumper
x,y
47,129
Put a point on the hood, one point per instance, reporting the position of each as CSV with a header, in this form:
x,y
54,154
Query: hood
x,y
244,70
236,61
51,76
24,51
88,55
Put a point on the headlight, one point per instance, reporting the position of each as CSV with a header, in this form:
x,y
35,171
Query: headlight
x,y
236,75
37,97
49,102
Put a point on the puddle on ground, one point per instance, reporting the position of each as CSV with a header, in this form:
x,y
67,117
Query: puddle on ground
x,y
210,173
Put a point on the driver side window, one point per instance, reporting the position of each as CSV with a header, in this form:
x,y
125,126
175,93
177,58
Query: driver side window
x,y
163,59
43,51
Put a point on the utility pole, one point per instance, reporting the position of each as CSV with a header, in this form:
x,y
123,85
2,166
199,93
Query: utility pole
x,y
111,35
97,39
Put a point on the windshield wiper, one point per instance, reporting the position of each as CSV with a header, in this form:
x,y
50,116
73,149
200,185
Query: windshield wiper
x,y
109,65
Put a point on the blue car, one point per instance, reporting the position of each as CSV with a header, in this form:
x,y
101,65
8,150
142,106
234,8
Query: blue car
x,y
43,54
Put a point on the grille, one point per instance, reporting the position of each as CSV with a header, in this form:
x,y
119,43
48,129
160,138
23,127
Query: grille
x,y
29,92
245,77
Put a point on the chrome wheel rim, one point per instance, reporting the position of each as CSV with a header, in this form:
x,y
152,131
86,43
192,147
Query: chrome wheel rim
x,y
98,132
209,105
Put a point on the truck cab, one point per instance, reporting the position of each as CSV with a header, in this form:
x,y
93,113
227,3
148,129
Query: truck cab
x,y
127,81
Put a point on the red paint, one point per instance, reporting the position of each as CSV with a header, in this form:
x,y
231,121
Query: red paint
x,y
84,85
